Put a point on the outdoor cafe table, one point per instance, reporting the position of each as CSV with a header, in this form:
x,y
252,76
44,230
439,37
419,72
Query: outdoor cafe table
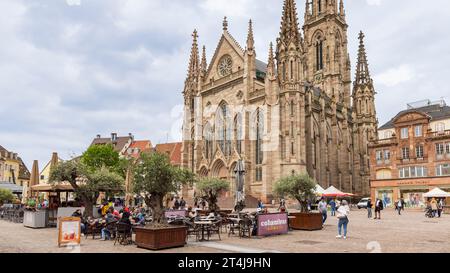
x,y
203,224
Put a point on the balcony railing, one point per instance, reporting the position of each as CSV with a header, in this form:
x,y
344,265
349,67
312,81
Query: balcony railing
x,y
439,134
223,80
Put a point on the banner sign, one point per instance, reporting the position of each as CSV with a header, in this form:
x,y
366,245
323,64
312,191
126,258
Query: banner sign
x,y
69,231
273,224
175,213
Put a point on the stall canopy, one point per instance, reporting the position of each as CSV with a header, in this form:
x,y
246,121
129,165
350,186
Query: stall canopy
x,y
52,188
436,192
15,189
319,190
333,192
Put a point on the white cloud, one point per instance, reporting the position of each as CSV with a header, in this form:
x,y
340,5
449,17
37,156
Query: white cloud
x,y
374,2
396,76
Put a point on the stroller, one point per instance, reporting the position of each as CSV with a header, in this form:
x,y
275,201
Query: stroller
x,y
429,212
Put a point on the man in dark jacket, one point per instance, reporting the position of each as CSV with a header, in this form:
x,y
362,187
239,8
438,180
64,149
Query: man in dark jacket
x,y
378,208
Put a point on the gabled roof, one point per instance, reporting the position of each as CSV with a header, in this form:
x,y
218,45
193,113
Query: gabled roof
x,y
24,173
261,66
173,150
435,111
234,44
118,145
141,146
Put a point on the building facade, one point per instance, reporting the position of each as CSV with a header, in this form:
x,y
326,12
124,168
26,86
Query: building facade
x,y
9,166
297,113
412,154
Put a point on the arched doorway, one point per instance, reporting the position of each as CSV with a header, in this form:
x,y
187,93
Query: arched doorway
x,y
219,170
203,172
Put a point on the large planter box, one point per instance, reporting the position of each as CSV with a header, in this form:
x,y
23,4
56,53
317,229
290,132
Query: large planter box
x,y
35,219
306,221
155,239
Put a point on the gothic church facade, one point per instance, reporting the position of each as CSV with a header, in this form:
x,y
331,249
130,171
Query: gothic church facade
x,y
296,113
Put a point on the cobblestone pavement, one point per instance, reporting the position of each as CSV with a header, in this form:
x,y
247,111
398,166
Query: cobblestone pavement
x,y
411,232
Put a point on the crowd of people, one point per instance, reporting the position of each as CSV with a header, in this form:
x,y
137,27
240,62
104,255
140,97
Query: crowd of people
x,y
129,216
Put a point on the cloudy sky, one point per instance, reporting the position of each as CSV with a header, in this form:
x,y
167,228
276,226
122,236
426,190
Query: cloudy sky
x,y
72,69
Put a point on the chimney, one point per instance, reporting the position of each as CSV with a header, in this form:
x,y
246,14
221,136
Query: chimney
x,y
131,136
99,136
113,137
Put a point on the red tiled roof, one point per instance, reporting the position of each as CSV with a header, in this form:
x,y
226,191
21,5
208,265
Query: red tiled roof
x,y
173,150
139,146
142,145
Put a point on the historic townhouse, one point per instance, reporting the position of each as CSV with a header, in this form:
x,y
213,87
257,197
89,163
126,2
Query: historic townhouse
x,y
412,155
294,113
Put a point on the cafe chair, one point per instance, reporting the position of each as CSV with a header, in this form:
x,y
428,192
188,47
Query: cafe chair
x,y
245,230
214,228
93,229
192,229
124,234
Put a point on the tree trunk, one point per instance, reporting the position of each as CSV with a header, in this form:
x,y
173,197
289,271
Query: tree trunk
x,y
88,208
155,202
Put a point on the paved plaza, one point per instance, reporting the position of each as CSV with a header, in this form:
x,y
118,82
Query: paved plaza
x,y
409,233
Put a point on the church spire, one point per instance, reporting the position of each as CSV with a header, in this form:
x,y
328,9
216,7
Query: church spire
x,y
203,64
341,8
362,67
271,61
250,38
289,24
193,70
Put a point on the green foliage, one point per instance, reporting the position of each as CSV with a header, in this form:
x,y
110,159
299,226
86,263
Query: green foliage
x,y
87,181
104,156
155,177
300,187
210,189
6,196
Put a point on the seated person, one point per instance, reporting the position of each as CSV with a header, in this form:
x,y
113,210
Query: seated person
x,y
109,218
78,214
126,218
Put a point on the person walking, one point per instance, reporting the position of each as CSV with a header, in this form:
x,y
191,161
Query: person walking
x,y
378,208
434,206
333,207
399,206
369,209
323,208
440,207
342,215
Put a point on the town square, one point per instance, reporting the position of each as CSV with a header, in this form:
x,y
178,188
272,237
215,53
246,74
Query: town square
x,y
258,127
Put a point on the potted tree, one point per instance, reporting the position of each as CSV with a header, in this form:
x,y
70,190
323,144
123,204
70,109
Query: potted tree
x,y
154,178
300,187
209,189
98,170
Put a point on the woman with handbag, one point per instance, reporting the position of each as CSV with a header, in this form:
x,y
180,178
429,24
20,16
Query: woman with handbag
x,y
342,215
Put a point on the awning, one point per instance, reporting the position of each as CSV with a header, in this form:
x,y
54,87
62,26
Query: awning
x,y
52,188
14,188
436,192
333,192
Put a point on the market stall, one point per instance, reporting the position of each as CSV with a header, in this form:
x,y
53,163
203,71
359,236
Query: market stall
x,y
46,216
437,193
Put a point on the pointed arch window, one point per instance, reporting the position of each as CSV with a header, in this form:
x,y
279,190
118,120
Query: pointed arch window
x,y
223,126
319,54
238,136
209,138
259,122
